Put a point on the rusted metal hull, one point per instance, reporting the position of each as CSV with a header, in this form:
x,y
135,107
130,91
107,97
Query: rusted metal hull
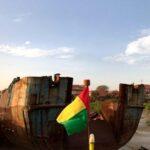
x,y
28,111
29,107
119,123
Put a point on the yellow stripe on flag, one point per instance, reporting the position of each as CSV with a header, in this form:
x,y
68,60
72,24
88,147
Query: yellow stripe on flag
x,y
71,110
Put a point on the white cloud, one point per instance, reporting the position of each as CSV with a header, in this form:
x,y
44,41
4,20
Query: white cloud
x,y
137,52
27,43
140,46
145,32
61,52
19,18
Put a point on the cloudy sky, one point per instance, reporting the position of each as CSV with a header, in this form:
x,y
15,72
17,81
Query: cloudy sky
x,y
106,41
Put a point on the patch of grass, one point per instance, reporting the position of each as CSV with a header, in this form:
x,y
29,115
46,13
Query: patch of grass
x,y
95,106
148,122
147,106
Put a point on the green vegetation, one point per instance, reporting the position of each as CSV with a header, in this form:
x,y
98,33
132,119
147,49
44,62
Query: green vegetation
x,y
148,122
95,106
147,106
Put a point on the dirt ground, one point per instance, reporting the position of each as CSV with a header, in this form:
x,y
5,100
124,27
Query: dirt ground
x,y
141,137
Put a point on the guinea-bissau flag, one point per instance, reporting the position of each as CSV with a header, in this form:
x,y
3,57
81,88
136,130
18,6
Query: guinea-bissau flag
x,y
74,117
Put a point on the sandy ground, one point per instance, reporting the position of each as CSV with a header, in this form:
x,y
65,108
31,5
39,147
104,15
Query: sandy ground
x,y
141,137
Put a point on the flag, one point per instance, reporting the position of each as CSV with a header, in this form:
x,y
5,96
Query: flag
x,y
74,116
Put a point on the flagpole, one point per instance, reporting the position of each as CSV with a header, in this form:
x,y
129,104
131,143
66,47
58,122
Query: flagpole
x,y
87,84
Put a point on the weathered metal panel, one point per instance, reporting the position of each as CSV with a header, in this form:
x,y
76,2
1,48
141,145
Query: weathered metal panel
x,y
123,116
63,93
4,98
40,120
53,95
28,111
129,111
38,90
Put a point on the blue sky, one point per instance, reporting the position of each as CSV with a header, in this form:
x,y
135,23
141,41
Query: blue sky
x,y
106,41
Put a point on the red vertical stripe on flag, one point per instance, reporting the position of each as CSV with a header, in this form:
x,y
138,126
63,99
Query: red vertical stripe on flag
x,y
84,96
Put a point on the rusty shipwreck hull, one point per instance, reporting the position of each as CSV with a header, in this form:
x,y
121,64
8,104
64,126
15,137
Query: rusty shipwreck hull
x,y
119,123
29,107
28,111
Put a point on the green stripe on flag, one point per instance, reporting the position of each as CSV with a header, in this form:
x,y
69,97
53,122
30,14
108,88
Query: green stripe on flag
x,y
77,123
